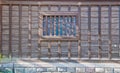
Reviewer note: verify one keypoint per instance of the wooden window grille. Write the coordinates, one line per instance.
(59, 25)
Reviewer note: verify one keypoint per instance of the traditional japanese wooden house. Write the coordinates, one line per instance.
(72, 29)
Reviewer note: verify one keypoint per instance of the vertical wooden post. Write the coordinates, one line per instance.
(40, 30)
(20, 29)
(109, 31)
(1, 30)
(46, 17)
(29, 32)
(59, 42)
(10, 31)
(59, 49)
(58, 25)
(69, 50)
(119, 30)
(49, 43)
(51, 26)
(79, 32)
(54, 26)
(89, 31)
(99, 31)
(49, 49)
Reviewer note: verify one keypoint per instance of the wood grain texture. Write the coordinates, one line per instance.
(1, 29)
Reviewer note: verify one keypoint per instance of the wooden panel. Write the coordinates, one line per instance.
(29, 32)
(119, 30)
(79, 32)
(10, 31)
(40, 30)
(20, 29)
(98, 39)
(1, 29)
(49, 49)
(99, 30)
(59, 49)
(89, 31)
(69, 50)
(109, 33)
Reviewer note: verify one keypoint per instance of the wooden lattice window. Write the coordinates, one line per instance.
(59, 25)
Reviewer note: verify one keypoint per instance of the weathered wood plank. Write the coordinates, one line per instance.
(40, 30)
(30, 32)
(59, 49)
(109, 32)
(79, 32)
(69, 50)
(20, 29)
(10, 31)
(89, 31)
(119, 28)
(49, 49)
(1, 30)
(42, 3)
(99, 31)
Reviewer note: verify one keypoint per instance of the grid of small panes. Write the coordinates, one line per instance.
(59, 25)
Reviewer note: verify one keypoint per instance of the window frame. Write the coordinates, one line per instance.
(60, 14)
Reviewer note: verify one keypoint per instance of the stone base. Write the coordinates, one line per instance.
(60, 66)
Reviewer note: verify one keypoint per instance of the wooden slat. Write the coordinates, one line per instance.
(51, 26)
(54, 26)
(49, 7)
(40, 30)
(46, 17)
(79, 32)
(59, 46)
(69, 8)
(59, 49)
(49, 49)
(20, 29)
(119, 30)
(99, 31)
(69, 50)
(30, 32)
(59, 7)
(58, 25)
(1, 30)
(64, 25)
(57, 39)
(49, 43)
(109, 31)
(89, 31)
(10, 31)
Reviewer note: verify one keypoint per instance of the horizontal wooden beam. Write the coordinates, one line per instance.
(71, 0)
(75, 3)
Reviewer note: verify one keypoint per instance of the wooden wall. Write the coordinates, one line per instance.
(98, 32)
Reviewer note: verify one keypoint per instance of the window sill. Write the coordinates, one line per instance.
(59, 38)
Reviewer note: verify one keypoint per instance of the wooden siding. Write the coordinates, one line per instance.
(98, 32)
